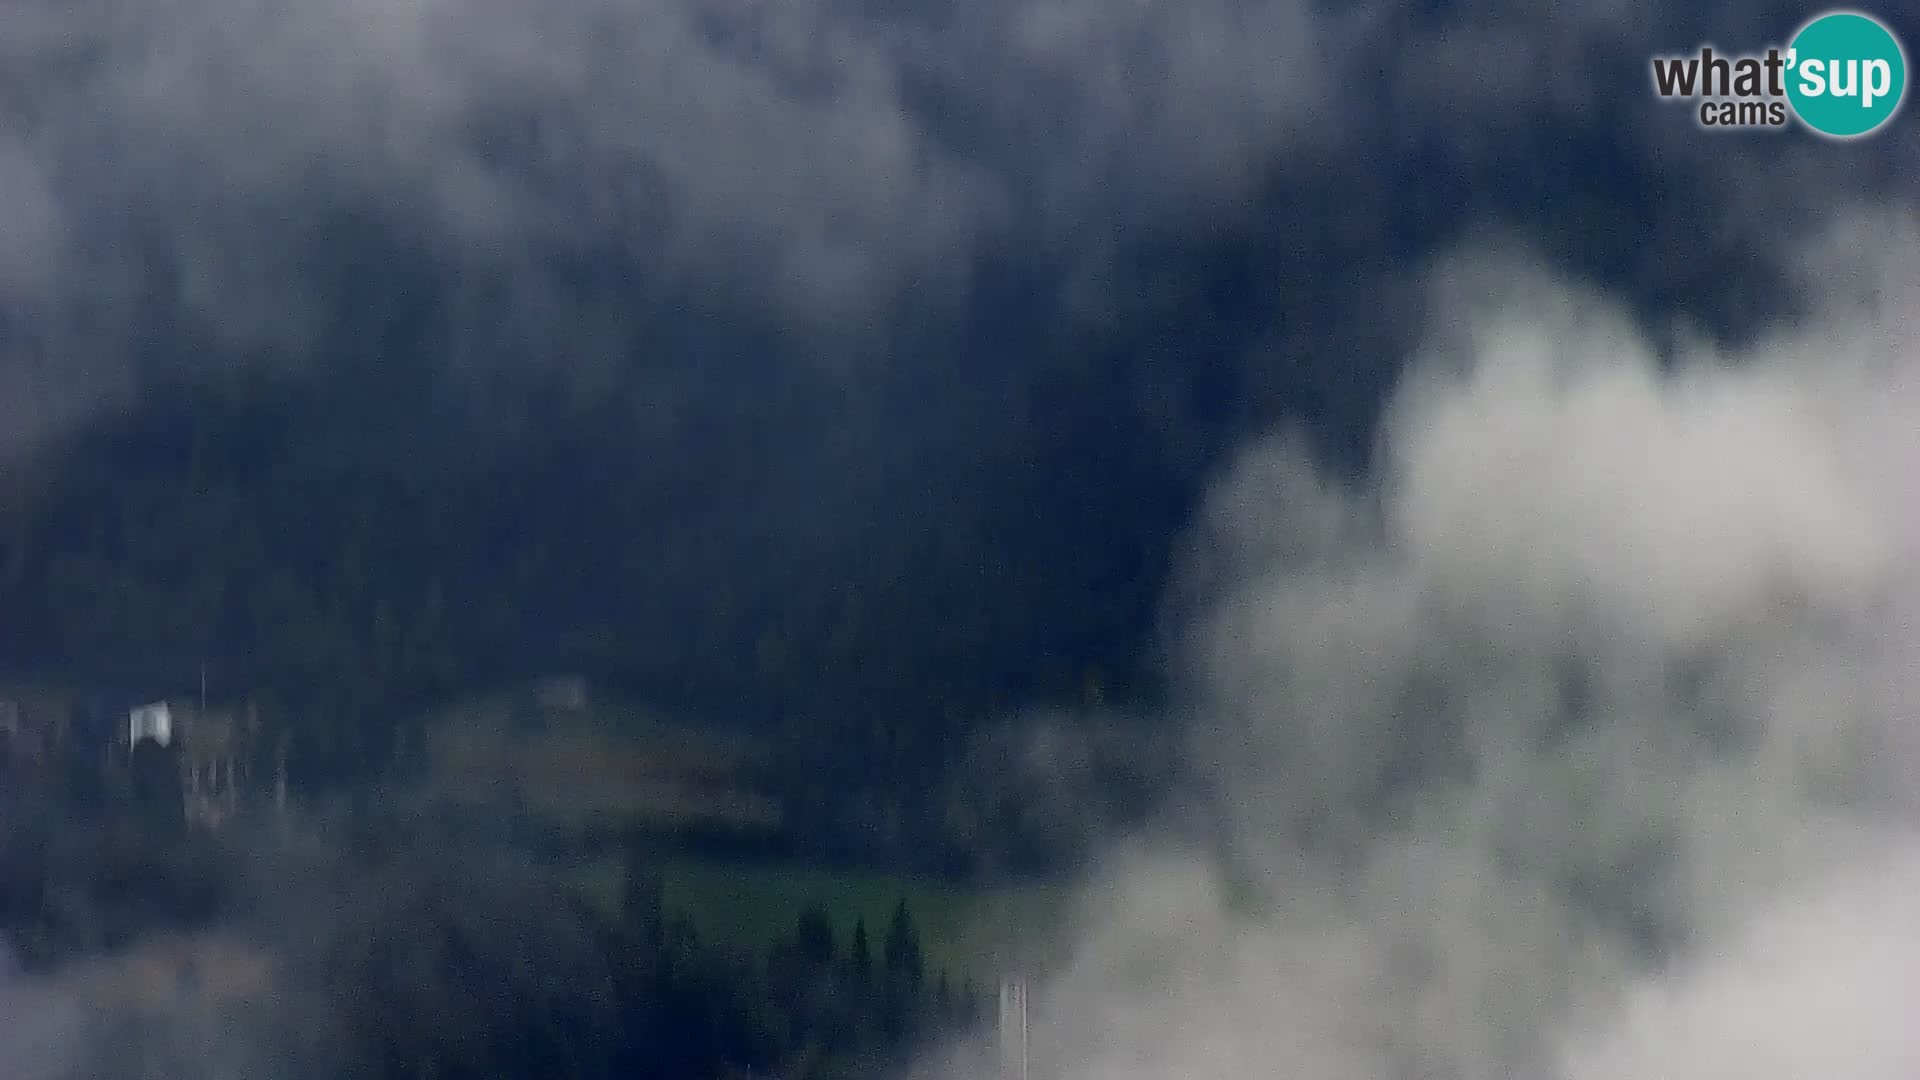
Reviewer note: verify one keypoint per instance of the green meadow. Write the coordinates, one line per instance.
(620, 769)
(752, 906)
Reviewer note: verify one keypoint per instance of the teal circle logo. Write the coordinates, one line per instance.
(1846, 74)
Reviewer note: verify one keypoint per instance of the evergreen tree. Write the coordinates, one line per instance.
(813, 938)
(906, 965)
(860, 953)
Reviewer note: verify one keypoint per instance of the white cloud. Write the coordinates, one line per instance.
(1576, 742)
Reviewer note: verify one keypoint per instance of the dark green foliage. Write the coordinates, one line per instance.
(440, 971)
(860, 954)
(155, 783)
(355, 541)
(813, 938)
(906, 963)
(70, 887)
(407, 956)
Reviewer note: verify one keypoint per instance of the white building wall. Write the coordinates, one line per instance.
(153, 721)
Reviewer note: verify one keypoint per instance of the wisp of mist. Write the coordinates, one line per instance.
(1573, 742)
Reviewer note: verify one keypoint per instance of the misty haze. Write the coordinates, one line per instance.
(1024, 540)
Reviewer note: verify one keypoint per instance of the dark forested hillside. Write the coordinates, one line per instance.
(455, 481)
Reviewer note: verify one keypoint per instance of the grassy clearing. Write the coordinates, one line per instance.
(752, 906)
(615, 768)
(604, 768)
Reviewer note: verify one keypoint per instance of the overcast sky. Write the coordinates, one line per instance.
(889, 277)
(1566, 697)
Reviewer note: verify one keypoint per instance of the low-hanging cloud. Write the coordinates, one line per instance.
(1575, 742)
(331, 949)
(36, 1037)
(824, 157)
(894, 259)
(1602, 654)
(783, 148)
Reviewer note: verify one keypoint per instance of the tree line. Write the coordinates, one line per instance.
(398, 951)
